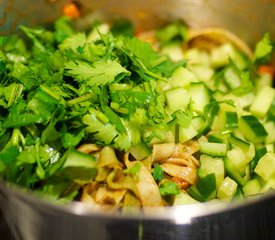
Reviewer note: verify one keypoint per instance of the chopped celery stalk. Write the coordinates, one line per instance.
(182, 77)
(211, 165)
(199, 96)
(252, 187)
(266, 166)
(227, 189)
(213, 149)
(252, 129)
(262, 101)
(177, 98)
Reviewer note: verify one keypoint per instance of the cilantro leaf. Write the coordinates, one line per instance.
(158, 172)
(98, 73)
(263, 50)
(169, 188)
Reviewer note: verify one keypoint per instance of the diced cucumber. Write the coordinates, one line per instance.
(215, 138)
(235, 141)
(266, 166)
(78, 166)
(173, 50)
(265, 79)
(238, 159)
(197, 56)
(247, 148)
(200, 125)
(270, 128)
(270, 148)
(199, 96)
(259, 153)
(213, 149)
(269, 185)
(252, 129)
(232, 78)
(262, 101)
(140, 150)
(202, 72)
(177, 98)
(220, 56)
(188, 133)
(205, 188)
(211, 165)
(227, 189)
(182, 77)
(183, 198)
(252, 187)
(233, 172)
(231, 120)
(225, 119)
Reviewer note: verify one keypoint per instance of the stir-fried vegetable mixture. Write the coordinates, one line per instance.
(117, 120)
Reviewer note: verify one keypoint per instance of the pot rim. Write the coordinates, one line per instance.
(177, 214)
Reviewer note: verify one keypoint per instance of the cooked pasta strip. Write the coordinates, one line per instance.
(148, 191)
(108, 158)
(89, 148)
(117, 180)
(186, 173)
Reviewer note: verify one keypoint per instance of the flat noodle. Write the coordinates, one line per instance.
(181, 162)
(165, 151)
(109, 197)
(88, 148)
(186, 173)
(123, 181)
(118, 184)
(148, 190)
(108, 158)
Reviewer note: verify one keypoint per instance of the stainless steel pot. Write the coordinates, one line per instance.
(24, 216)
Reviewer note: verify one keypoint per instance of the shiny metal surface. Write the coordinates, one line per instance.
(29, 218)
(249, 19)
(23, 216)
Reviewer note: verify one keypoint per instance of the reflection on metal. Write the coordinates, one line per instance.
(248, 19)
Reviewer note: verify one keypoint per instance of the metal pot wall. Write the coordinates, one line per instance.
(23, 216)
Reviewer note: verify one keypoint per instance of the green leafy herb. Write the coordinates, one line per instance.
(158, 172)
(169, 188)
(263, 50)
